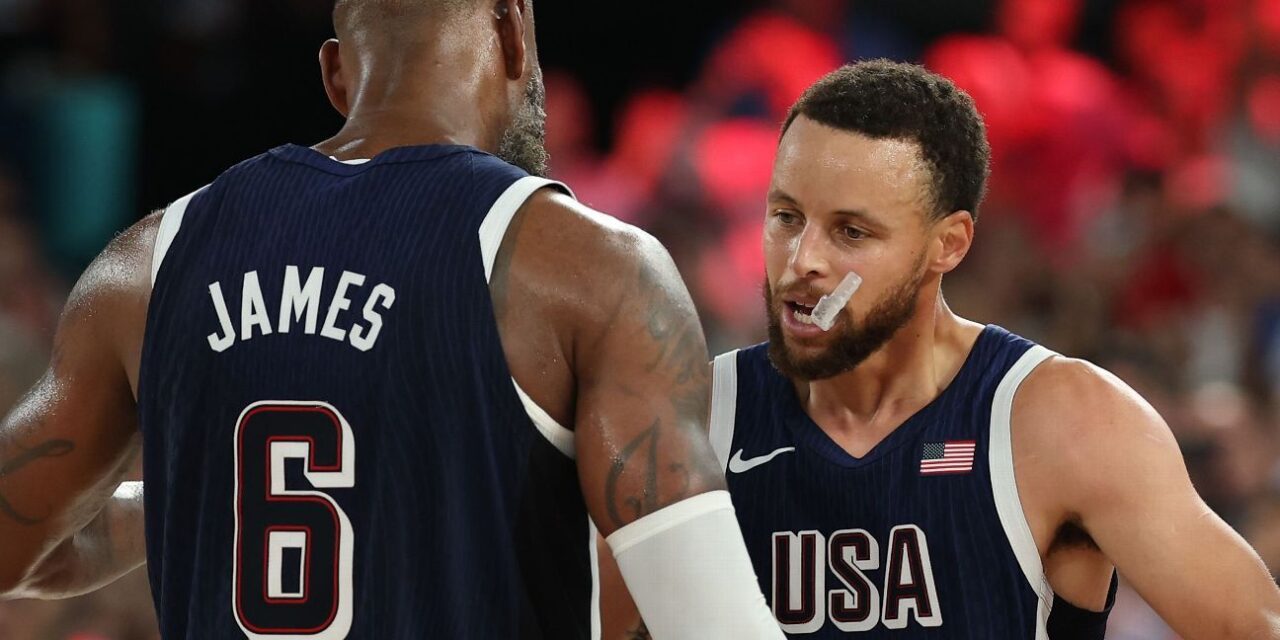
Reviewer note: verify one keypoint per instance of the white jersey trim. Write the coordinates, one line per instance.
(560, 437)
(494, 227)
(594, 551)
(492, 231)
(1004, 485)
(170, 223)
(724, 405)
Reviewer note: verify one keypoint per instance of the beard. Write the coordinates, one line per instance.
(524, 143)
(849, 345)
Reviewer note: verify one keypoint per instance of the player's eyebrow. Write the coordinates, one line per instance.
(857, 214)
(778, 195)
(860, 215)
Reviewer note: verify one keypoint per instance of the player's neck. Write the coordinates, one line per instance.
(385, 117)
(862, 406)
(374, 132)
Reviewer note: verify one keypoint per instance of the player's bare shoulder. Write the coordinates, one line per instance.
(1081, 424)
(577, 256)
(123, 267)
(567, 278)
(1072, 399)
(109, 303)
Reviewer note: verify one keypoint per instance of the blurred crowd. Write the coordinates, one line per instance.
(1133, 217)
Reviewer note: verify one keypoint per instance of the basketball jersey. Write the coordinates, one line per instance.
(334, 445)
(922, 537)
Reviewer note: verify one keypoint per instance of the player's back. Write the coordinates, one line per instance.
(334, 445)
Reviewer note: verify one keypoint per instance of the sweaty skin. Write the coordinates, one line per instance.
(597, 325)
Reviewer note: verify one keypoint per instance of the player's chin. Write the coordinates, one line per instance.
(801, 362)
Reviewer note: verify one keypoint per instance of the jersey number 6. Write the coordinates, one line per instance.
(293, 543)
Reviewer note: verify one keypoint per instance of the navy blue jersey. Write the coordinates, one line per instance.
(922, 537)
(334, 446)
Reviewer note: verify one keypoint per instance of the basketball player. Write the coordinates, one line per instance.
(381, 383)
(912, 474)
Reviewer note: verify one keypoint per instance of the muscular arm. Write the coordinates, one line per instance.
(643, 397)
(65, 447)
(600, 331)
(1122, 479)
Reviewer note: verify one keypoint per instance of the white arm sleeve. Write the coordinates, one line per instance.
(688, 570)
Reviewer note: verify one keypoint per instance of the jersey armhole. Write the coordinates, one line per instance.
(1004, 484)
(724, 405)
(492, 232)
(170, 224)
(494, 227)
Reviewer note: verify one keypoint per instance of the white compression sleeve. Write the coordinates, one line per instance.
(688, 570)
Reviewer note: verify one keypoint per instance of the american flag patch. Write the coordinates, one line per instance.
(944, 458)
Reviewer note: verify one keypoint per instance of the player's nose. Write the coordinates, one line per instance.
(809, 254)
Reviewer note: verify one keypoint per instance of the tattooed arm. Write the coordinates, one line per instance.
(66, 445)
(601, 332)
(643, 398)
(645, 460)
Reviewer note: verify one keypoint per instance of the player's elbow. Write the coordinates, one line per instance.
(9, 585)
(16, 573)
(50, 577)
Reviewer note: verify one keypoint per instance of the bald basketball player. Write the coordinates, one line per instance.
(385, 384)
(909, 474)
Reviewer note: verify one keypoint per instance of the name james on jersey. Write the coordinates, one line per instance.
(300, 302)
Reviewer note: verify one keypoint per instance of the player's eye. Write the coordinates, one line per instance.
(853, 233)
(786, 217)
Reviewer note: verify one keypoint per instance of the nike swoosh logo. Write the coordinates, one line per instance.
(738, 465)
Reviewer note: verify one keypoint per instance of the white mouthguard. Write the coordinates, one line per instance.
(824, 313)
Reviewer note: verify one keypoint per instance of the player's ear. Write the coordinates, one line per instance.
(335, 83)
(509, 17)
(953, 235)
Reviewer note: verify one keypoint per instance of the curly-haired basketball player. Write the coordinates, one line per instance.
(910, 474)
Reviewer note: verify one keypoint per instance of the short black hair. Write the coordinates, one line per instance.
(885, 99)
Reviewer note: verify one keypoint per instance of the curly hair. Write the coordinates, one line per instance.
(882, 99)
